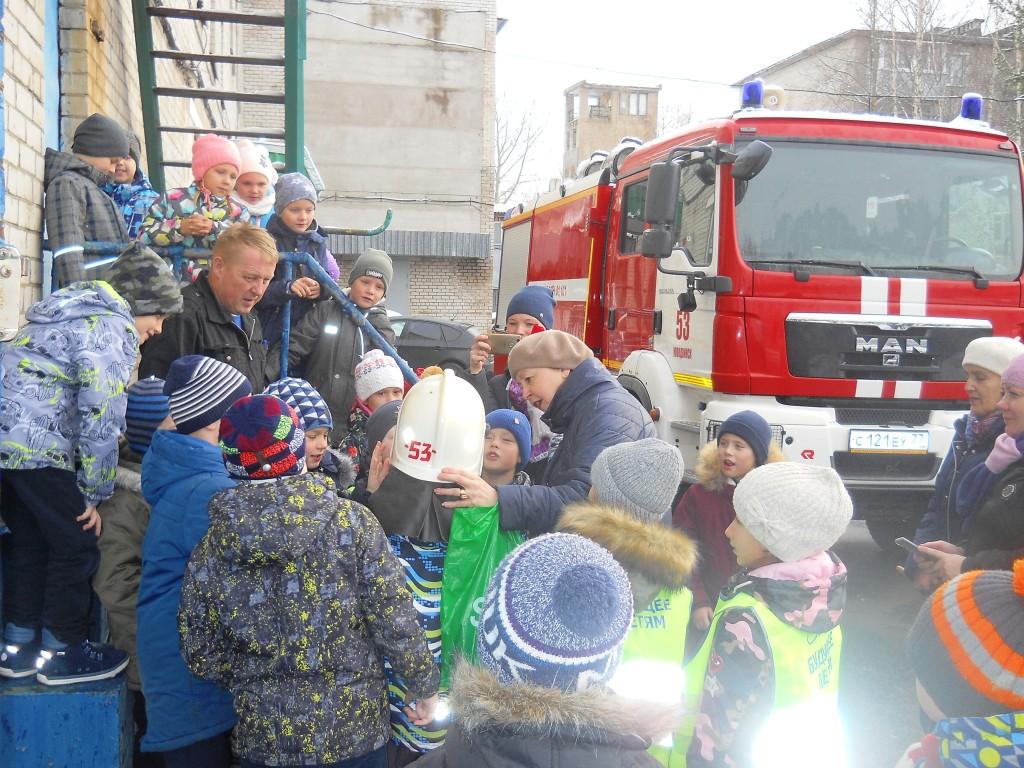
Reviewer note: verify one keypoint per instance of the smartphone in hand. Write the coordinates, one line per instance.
(907, 544)
(502, 343)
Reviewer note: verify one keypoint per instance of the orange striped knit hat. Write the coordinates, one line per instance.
(967, 645)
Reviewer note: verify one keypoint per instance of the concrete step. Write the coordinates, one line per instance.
(88, 725)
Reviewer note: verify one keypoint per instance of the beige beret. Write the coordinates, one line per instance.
(548, 349)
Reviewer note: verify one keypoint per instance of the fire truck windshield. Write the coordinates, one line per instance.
(886, 210)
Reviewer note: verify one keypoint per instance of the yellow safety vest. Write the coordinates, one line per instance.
(652, 656)
(806, 674)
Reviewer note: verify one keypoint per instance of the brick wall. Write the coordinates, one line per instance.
(458, 289)
(98, 73)
(262, 41)
(448, 289)
(24, 120)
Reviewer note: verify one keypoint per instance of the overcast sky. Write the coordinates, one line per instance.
(547, 45)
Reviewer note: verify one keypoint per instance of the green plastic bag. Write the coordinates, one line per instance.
(476, 547)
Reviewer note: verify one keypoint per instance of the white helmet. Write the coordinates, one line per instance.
(441, 424)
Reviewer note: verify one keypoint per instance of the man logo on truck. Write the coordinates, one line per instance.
(900, 346)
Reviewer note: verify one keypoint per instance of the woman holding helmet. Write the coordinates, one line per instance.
(582, 402)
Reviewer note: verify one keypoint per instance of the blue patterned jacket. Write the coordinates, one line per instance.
(63, 399)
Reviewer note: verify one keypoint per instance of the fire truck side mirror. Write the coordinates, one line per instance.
(662, 194)
(687, 301)
(657, 243)
(750, 161)
(660, 210)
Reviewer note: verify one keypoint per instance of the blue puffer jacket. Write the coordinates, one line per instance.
(180, 475)
(591, 411)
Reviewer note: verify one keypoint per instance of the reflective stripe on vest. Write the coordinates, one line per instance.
(806, 668)
(652, 656)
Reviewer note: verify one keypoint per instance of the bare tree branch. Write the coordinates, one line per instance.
(517, 133)
(672, 117)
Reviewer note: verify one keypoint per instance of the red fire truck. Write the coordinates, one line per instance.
(826, 270)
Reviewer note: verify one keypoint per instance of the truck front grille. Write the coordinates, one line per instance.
(880, 466)
(883, 417)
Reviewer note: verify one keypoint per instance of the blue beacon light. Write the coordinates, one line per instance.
(970, 106)
(753, 94)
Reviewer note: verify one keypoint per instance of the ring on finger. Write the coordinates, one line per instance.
(463, 495)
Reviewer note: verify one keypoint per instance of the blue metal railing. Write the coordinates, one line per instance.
(103, 253)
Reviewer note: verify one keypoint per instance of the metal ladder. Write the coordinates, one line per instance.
(293, 20)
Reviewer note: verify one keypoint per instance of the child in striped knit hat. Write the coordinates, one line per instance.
(967, 651)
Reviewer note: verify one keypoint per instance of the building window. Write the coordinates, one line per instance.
(635, 198)
(638, 104)
(956, 67)
(695, 218)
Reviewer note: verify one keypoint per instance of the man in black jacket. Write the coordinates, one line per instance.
(218, 320)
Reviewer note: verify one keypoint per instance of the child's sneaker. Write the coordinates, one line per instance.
(18, 660)
(80, 664)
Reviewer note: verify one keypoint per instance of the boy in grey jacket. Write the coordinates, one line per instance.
(76, 209)
(327, 345)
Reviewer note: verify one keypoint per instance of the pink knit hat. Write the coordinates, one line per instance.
(1013, 375)
(210, 150)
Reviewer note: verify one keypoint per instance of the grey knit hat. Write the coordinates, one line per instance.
(134, 148)
(640, 478)
(793, 510)
(291, 187)
(145, 281)
(100, 136)
(373, 263)
(556, 614)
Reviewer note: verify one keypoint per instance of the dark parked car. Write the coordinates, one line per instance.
(424, 341)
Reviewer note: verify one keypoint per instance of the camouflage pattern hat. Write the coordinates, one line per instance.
(145, 281)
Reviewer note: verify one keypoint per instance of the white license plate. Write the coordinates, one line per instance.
(888, 441)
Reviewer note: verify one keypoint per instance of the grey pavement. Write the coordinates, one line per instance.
(876, 684)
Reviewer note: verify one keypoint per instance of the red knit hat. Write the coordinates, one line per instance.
(967, 645)
(211, 150)
(261, 438)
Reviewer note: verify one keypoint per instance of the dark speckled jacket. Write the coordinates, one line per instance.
(289, 602)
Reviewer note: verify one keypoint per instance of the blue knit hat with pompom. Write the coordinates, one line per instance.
(556, 614)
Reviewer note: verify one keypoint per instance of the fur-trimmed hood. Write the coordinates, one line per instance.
(480, 703)
(709, 466)
(655, 556)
